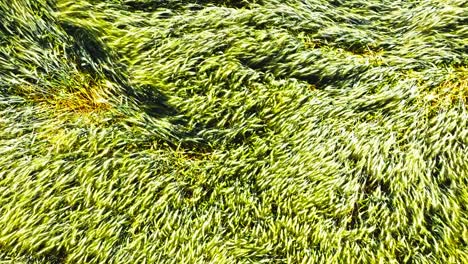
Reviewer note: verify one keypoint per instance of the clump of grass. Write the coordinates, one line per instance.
(233, 131)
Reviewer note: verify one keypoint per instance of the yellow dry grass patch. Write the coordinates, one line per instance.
(373, 57)
(454, 90)
(82, 95)
(369, 55)
(83, 101)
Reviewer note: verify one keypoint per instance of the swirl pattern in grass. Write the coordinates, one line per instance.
(170, 131)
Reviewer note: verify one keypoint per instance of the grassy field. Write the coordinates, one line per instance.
(268, 131)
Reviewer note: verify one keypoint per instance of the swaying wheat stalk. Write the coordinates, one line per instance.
(170, 131)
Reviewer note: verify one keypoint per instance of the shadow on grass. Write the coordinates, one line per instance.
(96, 59)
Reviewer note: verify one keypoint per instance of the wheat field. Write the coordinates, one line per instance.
(268, 131)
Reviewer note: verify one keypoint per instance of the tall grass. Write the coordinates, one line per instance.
(168, 131)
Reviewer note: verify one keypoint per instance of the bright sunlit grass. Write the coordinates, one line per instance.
(150, 131)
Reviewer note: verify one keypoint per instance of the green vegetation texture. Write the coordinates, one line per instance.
(268, 131)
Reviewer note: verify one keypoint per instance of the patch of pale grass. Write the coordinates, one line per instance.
(450, 92)
(84, 97)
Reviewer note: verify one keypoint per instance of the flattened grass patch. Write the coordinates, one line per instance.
(84, 96)
(452, 91)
